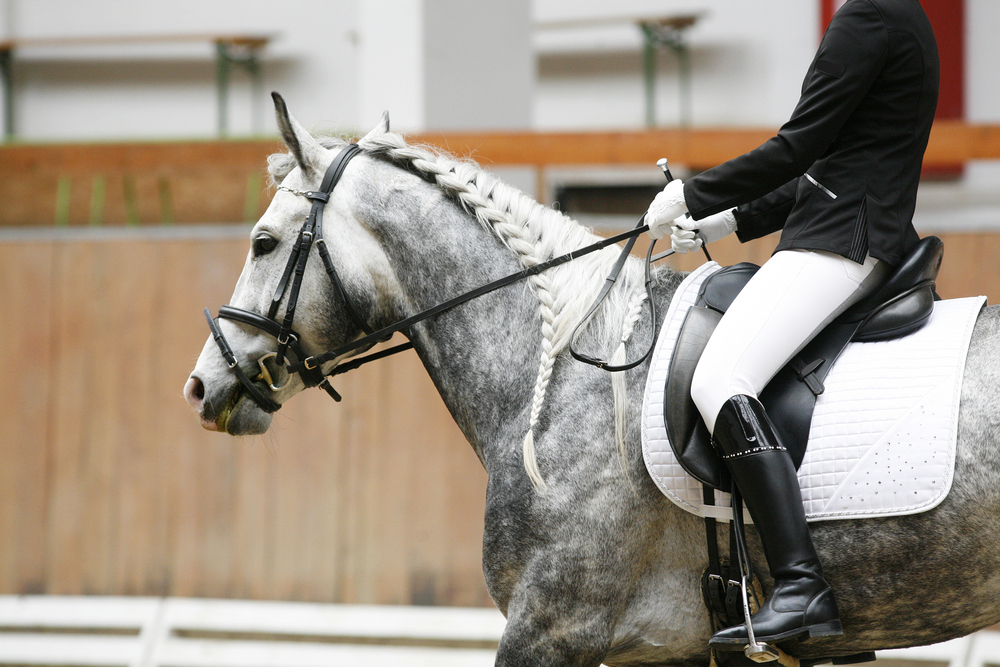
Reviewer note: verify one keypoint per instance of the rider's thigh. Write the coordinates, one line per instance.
(791, 298)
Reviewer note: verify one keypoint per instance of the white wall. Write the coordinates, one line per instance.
(982, 62)
(973, 202)
(389, 43)
(479, 66)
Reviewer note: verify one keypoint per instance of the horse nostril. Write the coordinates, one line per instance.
(194, 392)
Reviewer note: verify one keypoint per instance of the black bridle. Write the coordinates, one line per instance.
(309, 368)
(291, 281)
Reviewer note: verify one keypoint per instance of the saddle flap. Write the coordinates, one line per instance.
(686, 431)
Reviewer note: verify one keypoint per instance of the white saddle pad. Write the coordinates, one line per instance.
(882, 437)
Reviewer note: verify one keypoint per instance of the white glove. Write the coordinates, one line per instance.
(667, 205)
(689, 234)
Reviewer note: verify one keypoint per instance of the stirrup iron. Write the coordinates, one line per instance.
(755, 651)
(761, 652)
(758, 652)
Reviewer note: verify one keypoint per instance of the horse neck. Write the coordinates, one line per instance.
(493, 358)
(481, 355)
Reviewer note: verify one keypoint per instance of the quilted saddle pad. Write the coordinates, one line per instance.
(883, 434)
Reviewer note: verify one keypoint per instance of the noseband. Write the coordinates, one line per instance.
(309, 368)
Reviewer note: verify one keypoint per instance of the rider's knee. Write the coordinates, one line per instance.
(708, 393)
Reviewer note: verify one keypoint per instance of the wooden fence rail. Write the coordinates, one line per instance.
(108, 485)
(221, 181)
(85, 631)
(182, 632)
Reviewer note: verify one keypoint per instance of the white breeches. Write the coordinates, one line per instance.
(787, 302)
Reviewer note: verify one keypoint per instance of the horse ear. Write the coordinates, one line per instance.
(381, 128)
(307, 151)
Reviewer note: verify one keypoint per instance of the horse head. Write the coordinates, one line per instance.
(299, 293)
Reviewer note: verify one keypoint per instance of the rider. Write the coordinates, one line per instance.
(840, 181)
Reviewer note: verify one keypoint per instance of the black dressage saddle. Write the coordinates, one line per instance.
(902, 305)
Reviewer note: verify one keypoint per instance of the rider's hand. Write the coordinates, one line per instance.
(689, 234)
(668, 205)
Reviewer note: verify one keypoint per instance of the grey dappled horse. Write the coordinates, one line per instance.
(587, 559)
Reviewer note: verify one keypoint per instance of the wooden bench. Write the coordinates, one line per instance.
(182, 632)
(666, 33)
(230, 50)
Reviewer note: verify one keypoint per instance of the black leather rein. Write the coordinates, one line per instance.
(309, 368)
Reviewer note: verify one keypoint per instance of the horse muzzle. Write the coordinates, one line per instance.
(230, 410)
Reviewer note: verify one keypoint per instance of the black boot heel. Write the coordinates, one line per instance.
(828, 629)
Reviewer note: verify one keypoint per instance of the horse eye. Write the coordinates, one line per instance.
(264, 244)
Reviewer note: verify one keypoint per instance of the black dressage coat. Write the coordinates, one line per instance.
(841, 175)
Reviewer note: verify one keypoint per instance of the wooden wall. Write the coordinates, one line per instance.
(108, 485)
(133, 183)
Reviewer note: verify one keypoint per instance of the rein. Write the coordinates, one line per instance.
(384, 333)
(608, 284)
(309, 367)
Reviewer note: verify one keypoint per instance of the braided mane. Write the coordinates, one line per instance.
(534, 233)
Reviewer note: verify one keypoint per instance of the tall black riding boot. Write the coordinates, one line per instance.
(802, 604)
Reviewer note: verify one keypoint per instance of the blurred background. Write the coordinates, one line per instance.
(132, 167)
